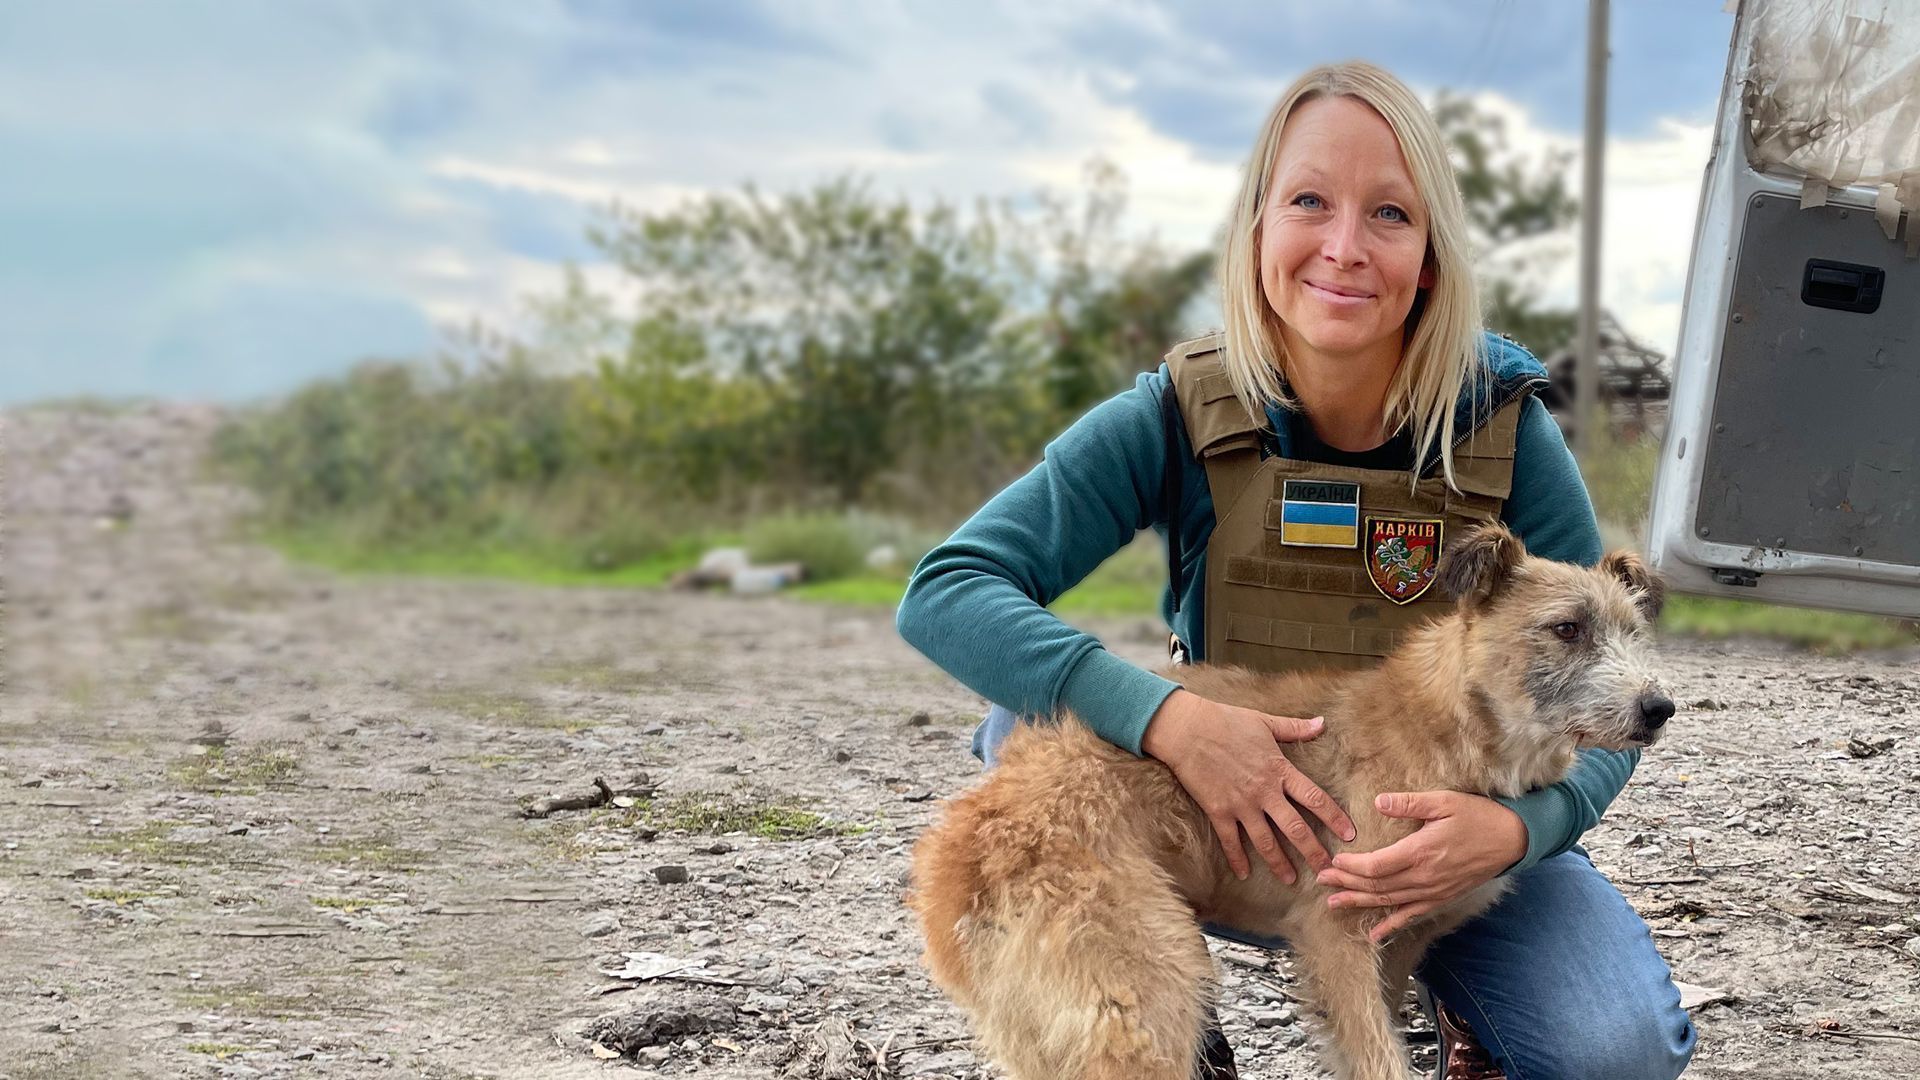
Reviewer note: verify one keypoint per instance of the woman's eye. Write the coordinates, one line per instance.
(1394, 213)
(1307, 202)
(1566, 631)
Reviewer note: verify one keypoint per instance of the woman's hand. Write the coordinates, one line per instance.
(1229, 760)
(1463, 842)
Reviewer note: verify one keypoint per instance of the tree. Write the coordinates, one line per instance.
(1113, 305)
(1513, 202)
(868, 326)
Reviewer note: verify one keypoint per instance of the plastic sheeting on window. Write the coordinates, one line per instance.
(1832, 93)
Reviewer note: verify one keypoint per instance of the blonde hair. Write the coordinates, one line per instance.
(1446, 342)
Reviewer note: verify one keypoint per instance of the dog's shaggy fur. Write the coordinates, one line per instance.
(1062, 897)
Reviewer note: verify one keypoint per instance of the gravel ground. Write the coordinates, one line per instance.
(258, 819)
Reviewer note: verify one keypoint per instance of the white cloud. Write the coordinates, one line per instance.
(446, 159)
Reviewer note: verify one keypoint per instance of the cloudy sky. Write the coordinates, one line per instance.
(224, 200)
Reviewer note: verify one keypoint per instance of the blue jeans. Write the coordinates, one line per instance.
(1559, 980)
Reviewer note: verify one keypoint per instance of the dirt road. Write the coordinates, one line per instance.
(260, 820)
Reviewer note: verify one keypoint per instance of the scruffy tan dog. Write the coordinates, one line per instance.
(1062, 897)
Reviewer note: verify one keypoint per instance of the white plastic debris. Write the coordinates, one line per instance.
(722, 563)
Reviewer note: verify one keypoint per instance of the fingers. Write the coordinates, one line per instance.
(1396, 858)
(1399, 919)
(1298, 833)
(1293, 728)
(1425, 805)
(1228, 830)
(1318, 803)
(1259, 832)
(1405, 887)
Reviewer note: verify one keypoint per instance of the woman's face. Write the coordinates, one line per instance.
(1344, 236)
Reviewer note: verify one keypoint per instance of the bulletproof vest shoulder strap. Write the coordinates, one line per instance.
(1224, 436)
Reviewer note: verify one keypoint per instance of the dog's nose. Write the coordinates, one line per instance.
(1656, 709)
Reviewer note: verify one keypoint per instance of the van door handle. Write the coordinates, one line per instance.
(1842, 286)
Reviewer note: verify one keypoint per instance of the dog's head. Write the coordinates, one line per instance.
(1573, 640)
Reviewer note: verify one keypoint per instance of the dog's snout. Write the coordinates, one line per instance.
(1655, 709)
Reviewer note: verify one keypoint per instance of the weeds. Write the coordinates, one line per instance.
(773, 818)
(236, 770)
(151, 842)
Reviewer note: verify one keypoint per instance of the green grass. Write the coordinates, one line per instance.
(537, 565)
(236, 770)
(772, 818)
(350, 905)
(1127, 585)
(1822, 631)
(369, 854)
(217, 1051)
(150, 842)
(250, 999)
(121, 897)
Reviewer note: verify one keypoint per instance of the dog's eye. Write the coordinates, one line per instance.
(1566, 631)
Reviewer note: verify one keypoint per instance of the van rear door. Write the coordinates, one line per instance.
(1791, 467)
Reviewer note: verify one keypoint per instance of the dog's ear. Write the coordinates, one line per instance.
(1477, 564)
(1649, 592)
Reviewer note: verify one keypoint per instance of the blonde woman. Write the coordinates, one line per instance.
(1305, 465)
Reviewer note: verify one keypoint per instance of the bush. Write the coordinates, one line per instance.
(823, 543)
(1619, 476)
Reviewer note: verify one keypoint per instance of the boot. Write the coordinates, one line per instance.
(1216, 1057)
(1461, 1055)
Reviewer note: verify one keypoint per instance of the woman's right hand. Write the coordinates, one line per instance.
(1228, 758)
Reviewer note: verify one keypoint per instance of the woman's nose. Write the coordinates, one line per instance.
(1344, 244)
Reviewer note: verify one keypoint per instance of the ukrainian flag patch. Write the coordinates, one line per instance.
(1320, 513)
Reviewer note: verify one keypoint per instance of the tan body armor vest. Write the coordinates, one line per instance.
(1274, 605)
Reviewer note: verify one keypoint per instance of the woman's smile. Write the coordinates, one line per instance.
(1339, 296)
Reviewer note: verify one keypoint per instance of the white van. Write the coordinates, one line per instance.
(1791, 467)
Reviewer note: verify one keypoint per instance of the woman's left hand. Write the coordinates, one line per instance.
(1463, 842)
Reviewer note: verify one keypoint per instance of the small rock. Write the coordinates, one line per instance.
(600, 925)
(1913, 947)
(653, 1055)
(919, 719)
(769, 1003)
(703, 939)
(670, 874)
(842, 755)
(1869, 746)
(664, 1022)
(718, 847)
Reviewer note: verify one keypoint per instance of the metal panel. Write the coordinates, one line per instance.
(1815, 445)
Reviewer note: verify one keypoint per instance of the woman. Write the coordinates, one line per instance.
(1353, 376)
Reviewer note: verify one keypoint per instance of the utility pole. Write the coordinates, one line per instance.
(1586, 366)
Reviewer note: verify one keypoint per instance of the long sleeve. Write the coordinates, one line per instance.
(1551, 513)
(976, 604)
